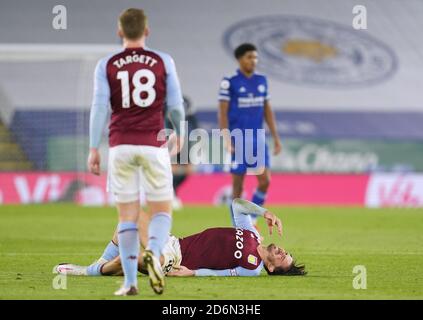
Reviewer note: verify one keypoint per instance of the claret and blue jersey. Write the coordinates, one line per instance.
(136, 83)
(246, 97)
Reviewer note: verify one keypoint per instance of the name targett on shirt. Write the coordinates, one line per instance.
(251, 101)
(135, 58)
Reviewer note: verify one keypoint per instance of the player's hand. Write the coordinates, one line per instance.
(182, 272)
(272, 221)
(175, 144)
(94, 162)
(278, 147)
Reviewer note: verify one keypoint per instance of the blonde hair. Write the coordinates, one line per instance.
(132, 23)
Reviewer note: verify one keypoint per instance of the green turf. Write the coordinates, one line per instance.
(331, 241)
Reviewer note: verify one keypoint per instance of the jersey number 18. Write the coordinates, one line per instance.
(139, 87)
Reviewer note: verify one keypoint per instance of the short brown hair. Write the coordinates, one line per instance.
(133, 22)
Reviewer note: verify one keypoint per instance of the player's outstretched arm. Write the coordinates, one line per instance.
(239, 271)
(242, 209)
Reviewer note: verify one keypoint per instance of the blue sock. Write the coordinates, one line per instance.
(111, 251)
(158, 232)
(94, 269)
(129, 248)
(258, 199)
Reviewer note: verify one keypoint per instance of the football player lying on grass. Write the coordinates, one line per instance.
(213, 252)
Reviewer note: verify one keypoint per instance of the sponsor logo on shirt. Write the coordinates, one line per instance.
(251, 101)
(252, 259)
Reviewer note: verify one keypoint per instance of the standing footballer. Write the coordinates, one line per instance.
(243, 104)
(137, 82)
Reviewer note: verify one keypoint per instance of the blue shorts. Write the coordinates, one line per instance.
(254, 161)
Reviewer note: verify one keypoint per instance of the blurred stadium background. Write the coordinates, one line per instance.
(349, 103)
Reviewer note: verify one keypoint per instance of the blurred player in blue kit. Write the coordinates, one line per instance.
(243, 105)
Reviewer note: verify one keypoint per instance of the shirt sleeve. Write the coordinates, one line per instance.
(236, 272)
(224, 90)
(242, 210)
(173, 86)
(174, 98)
(100, 105)
(267, 94)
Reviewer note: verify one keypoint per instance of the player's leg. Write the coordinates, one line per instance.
(112, 249)
(263, 180)
(110, 268)
(143, 222)
(129, 243)
(156, 180)
(159, 226)
(170, 259)
(158, 235)
(238, 170)
(123, 181)
(114, 267)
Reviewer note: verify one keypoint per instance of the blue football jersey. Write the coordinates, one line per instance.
(246, 98)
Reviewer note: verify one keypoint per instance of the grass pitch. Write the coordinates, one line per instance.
(330, 241)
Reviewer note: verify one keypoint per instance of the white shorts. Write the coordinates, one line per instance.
(133, 168)
(172, 255)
